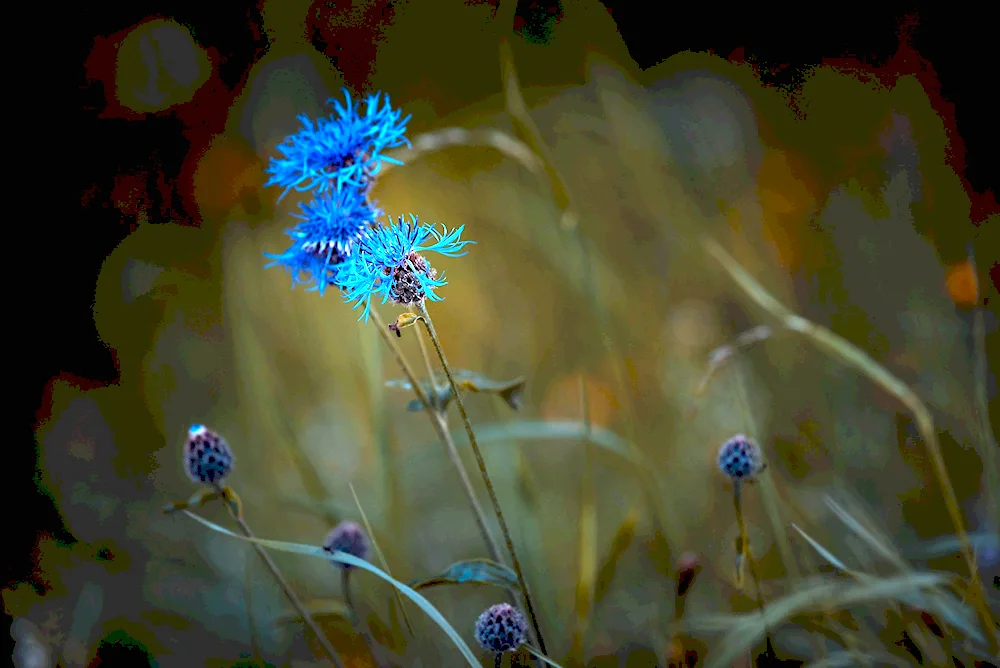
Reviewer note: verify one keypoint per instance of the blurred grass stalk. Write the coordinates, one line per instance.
(441, 429)
(438, 422)
(515, 562)
(846, 352)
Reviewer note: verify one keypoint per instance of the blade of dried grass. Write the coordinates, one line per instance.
(438, 140)
(848, 658)
(587, 539)
(849, 354)
(989, 450)
(745, 630)
(527, 131)
(823, 552)
(936, 599)
(619, 544)
(882, 547)
(378, 553)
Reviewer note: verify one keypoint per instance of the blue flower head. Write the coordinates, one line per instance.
(343, 149)
(388, 263)
(323, 241)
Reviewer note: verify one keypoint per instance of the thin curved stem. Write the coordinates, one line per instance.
(283, 583)
(432, 333)
(745, 552)
(441, 429)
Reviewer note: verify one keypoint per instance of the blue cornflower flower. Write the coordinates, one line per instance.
(342, 149)
(388, 262)
(331, 226)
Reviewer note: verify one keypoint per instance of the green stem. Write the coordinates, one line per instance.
(427, 362)
(745, 552)
(285, 587)
(432, 333)
(441, 428)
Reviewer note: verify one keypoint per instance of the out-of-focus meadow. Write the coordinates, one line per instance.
(598, 289)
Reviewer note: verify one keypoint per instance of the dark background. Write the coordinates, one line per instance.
(958, 44)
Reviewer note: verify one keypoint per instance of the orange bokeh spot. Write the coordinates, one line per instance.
(962, 284)
(226, 170)
(785, 201)
(563, 400)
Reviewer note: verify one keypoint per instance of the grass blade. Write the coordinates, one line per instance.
(340, 557)
(823, 552)
(619, 544)
(381, 557)
(541, 657)
(843, 350)
(747, 629)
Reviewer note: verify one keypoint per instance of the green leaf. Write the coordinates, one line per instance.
(472, 571)
(343, 558)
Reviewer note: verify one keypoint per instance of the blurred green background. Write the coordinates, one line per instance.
(821, 197)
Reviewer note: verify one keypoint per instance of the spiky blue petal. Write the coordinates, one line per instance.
(324, 240)
(343, 149)
(383, 249)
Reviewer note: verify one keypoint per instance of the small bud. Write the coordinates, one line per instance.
(207, 457)
(501, 628)
(407, 282)
(740, 458)
(402, 321)
(687, 569)
(347, 537)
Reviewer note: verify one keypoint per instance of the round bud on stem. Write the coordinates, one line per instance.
(501, 628)
(740, 458)
(347, 537)
(207, 457)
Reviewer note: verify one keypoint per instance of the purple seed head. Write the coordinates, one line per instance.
(740, 458)
(207, 457)
(347, 537)
(501, 628)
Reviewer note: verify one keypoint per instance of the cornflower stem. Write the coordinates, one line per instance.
(432, 333)
(427, 360)
(745, 552)
(498, 660)
(441, 428)
(321, 638)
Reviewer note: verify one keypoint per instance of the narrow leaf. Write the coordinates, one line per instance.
(343, 558)
(472, 571)
(620, 543)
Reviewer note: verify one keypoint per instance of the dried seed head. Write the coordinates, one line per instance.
(207, 457)
(740, 458)
(501, 628)
(407, 287)
(347, 537)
